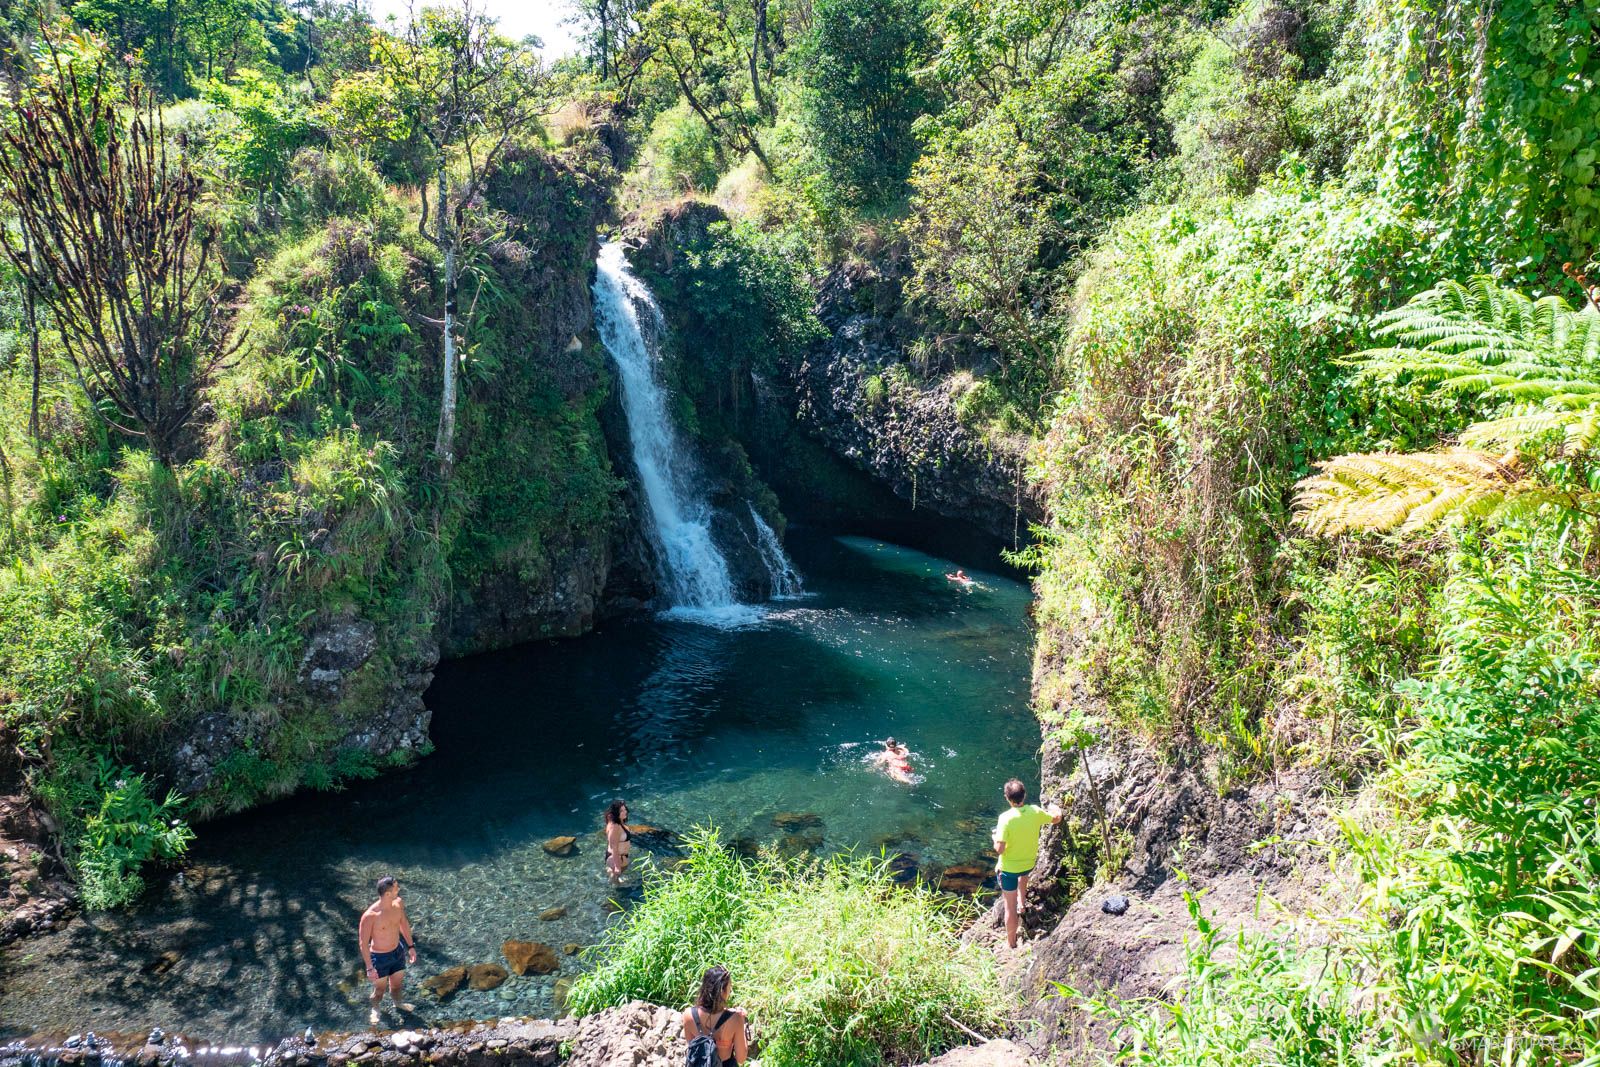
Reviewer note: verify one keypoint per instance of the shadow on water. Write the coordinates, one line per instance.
(693, 724)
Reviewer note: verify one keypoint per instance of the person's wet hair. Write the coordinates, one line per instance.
(1016, 792)
(714, 989)
(614, 811)
(385, 884)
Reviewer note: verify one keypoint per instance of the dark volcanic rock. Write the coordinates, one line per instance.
(858, 392)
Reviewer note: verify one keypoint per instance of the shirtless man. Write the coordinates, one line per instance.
(387, 945)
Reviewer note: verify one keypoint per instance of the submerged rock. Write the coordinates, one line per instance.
(572, 948)
(530, 957)
(794, 845)
(795, 821)
(552, 914)
(444, 984)
(561, 846)
(904, 869)
(967, 878)
(486, 976)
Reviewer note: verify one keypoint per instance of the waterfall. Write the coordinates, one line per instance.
(785, 579)
(694, 573)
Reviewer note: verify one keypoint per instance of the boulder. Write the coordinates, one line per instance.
(333, 653)
(988, 1054)
(561, 846)
(484, 976)
(635, 1035)
(444, 984)
(530, 957)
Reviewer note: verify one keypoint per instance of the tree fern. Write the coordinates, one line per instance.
(1537, 360)
(1538, 356)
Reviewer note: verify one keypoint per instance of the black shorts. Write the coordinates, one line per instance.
(391, 962)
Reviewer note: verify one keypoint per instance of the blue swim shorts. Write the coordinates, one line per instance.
(1007, 880)
(391, 962)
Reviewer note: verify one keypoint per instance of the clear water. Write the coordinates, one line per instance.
(694, 572)
(692, 723)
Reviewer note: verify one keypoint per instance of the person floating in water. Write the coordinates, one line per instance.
(1016, 839)
(711, 1022)
(387, 945)
(619, 841)
(895, 759)
(959, 576)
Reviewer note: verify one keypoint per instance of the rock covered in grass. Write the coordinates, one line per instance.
(636, 1034)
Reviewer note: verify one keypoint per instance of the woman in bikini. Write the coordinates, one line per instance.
(711, 1016)
(619, 841)
(895, 759)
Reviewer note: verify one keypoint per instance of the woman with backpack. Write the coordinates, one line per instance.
(715, 1031)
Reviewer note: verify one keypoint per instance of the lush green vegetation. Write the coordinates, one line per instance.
(169, 555)
(1297, 301)
(834, 963)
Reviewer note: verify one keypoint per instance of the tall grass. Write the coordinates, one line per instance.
(834, 963)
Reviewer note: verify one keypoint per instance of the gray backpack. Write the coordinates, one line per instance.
(703, 1048)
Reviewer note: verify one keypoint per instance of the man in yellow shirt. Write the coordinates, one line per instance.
(1016, 839)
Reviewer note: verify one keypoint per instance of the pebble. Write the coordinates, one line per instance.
(1115, 905)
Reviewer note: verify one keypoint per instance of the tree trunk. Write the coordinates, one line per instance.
(444, 443)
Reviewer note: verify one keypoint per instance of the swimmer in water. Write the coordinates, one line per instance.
(959, 576)
(896, 760)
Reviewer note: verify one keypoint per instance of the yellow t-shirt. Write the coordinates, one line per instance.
(1019, 829)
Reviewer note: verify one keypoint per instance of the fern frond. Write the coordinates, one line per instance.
(1578, 429)
(1384, 491)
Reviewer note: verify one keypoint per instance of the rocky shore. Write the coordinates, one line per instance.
(633, 1035)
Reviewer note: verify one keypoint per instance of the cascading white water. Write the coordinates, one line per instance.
(694, 572)
(785, 579)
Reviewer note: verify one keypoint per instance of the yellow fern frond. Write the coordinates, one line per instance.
(1384, 491)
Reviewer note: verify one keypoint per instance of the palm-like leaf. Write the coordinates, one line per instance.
(1538, 357)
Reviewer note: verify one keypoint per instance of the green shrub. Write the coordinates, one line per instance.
(123, 828)
(834, 962)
